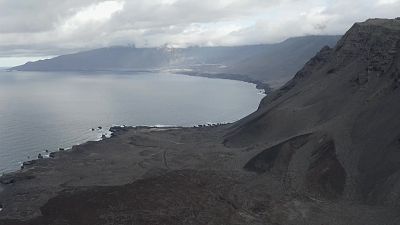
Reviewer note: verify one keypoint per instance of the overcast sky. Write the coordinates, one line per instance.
(34, 29)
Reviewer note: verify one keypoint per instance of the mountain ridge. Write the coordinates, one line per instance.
(250, 61)
(343, 94)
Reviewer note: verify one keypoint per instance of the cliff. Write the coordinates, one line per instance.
(345, 101)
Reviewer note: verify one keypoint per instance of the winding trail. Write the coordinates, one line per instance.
(165, 160)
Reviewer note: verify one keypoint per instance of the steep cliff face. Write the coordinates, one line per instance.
(346, 101)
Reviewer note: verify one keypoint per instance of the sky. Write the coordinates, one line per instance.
(37, 29)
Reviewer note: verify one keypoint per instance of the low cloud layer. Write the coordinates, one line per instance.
(35, 28)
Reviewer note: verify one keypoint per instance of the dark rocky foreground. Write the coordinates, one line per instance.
(323, 149)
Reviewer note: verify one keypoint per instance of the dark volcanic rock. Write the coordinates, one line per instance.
(350, 94)
(277, 157)
(177, 198)
(326, 175)
(13, 178)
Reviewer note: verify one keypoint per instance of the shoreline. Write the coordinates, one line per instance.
(113, 131)
(226, 76)
(45, 154)
(58, 168)
(74, 167)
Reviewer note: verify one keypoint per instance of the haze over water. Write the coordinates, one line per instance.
(40, 111)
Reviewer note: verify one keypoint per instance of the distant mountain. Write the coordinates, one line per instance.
(258, 62)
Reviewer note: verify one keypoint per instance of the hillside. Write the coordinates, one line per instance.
(345, 101)
(258, 62)
(322, 149)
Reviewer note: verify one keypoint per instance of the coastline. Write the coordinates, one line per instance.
(60, 170)
(59, 144)
(112, 131)
(237, 77)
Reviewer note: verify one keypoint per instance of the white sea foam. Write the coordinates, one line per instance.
(163, 126)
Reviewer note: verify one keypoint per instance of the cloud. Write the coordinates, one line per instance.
(48, 27)
(95, 13)
(388, 2)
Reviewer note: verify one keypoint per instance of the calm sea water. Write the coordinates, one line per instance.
(40, 111)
